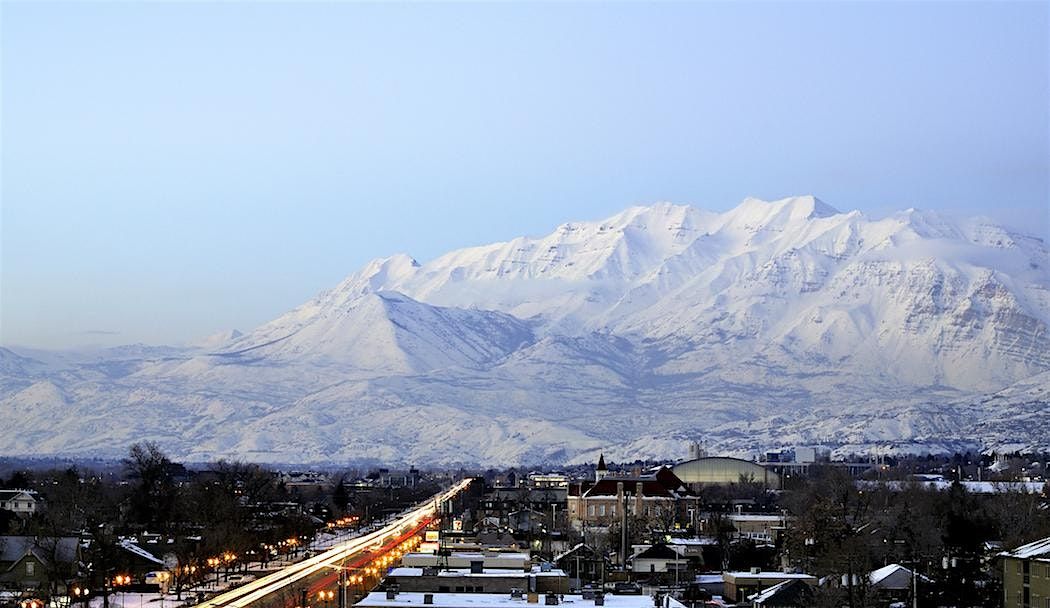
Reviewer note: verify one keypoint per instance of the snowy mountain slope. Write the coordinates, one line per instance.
(772, 323)
(385, 332)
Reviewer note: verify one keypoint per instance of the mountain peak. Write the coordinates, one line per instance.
(794, 208)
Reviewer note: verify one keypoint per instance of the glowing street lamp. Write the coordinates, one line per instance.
(326, 597)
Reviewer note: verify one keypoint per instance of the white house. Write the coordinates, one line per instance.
(23, 502)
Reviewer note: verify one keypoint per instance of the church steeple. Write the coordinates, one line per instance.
(601, 470)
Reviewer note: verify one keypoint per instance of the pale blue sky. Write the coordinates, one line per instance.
(173, 169)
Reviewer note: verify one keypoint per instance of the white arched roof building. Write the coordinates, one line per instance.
(724, 470)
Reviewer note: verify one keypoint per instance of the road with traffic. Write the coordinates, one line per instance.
(358, 557)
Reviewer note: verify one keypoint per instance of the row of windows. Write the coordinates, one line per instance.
(601, 511)
(15, 505)
(1036, 603)
(1033, 569)
(461, 589)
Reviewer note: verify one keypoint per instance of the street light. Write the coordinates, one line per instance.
(326, 597)
(81, 593)
(121, 580)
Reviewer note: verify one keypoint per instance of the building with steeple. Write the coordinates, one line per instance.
(601, 471)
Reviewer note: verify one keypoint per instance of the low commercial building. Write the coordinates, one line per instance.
(548, 480)
(738, 586)
(488, 559)
(762, 527)
(540, 579)
(1026, 575)
(394, 599)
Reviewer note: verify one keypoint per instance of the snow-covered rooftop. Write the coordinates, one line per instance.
(1039, 548)
(765, 594)
(755, 517)
(768, 575)
(127, 545)
(501, 600)
(406, 571)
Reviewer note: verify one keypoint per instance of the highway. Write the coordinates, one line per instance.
(332, 559)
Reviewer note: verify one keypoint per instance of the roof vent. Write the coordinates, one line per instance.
(599, 598)
(391, 592)
(551, 599)
(428, 598)
(755, 570)
(515, 593)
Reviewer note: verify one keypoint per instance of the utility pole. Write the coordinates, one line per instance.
(342, 587)
(623, 532)
(915, 585)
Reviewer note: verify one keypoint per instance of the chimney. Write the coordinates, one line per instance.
(428, 598)
(515, 593)
(533, 598)
(391, 592)
(551, 599)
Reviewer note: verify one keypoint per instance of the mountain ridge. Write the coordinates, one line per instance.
(773, 320)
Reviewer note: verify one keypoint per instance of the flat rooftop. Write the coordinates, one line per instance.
(502, 600)
(478, 555)
(408, 571)
(773, 574)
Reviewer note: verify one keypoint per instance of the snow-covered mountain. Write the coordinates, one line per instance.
(773, 322)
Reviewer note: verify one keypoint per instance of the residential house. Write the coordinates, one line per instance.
(28, 562)
(21, 502)
(894, 582)
(583, 564)
(659, 559)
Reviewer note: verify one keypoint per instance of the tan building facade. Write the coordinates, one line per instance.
(659, 496)
(1026, 575)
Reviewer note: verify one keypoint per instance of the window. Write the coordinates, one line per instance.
(30, 568)
(603, 510)
(590, 510)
